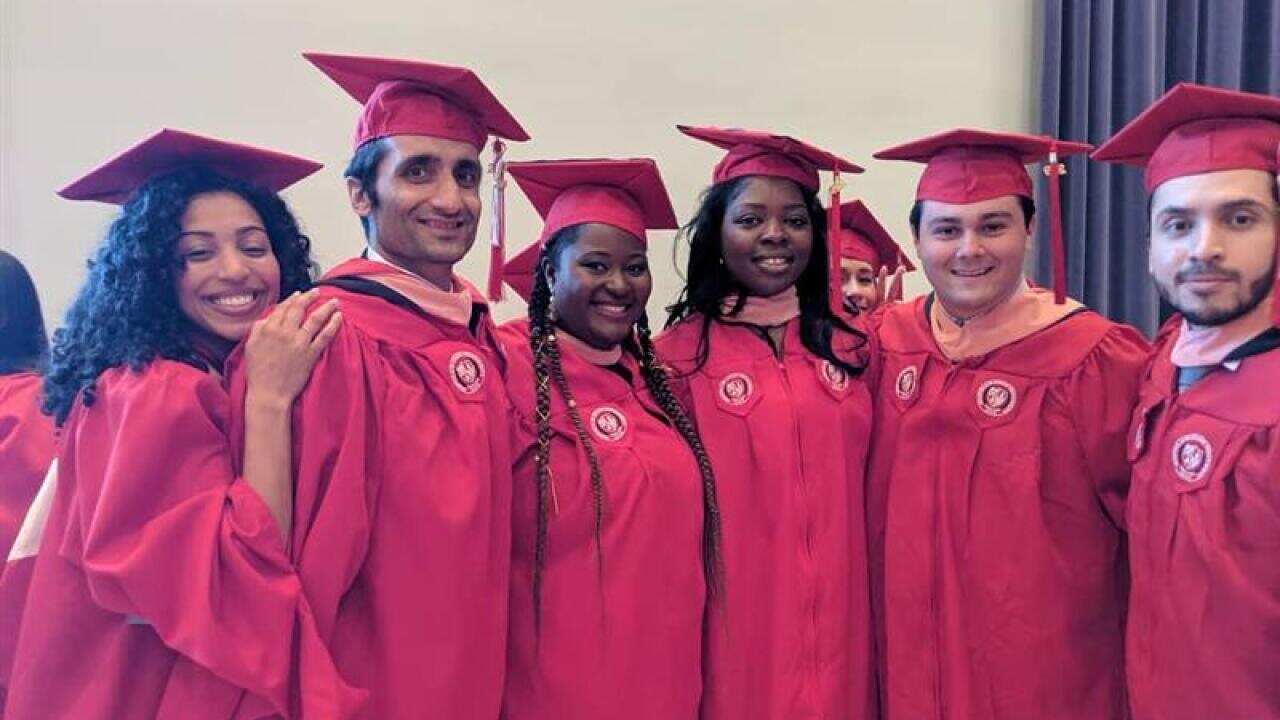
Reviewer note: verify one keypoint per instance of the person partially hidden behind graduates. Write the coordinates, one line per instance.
(774, 377)
(616, 527)
(159, 581)
(26, 434)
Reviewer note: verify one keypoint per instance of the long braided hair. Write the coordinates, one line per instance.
(547, 369)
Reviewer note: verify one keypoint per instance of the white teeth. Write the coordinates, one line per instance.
(773, 263)
(233, 300)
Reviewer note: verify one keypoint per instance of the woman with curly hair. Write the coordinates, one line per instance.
(616, 528)
(26, 435)
(161, 584)
(773, 376)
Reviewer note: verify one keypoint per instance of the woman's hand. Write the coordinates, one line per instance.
(284, 346)
(889, 288)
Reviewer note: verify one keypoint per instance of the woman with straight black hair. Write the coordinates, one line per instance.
(26, 435)
(774, 376)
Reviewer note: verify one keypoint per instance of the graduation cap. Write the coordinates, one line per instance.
(757, 152)
(965, 166)
(410, 97)
(1194, 129)
(115, 180)
(862, 237)
(625, 193)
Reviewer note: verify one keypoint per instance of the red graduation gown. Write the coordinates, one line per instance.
(26, 449)
(1204, 542)
(402, 508)
(626, 643)
(161, 588)
(995, 496)
(788, 441)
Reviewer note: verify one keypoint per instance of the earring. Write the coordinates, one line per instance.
(551, 308)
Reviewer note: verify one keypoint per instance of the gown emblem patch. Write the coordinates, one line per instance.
(905, 386)
(466, 370)
(608, 423)
(736, 388)
(1192, 457)
(997, 398)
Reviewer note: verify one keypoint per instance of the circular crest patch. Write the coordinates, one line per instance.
(608, 423)
(835, 376)
(905, 386)
(466, 370)
(1192, 457)
(997, 398)
(736, 388)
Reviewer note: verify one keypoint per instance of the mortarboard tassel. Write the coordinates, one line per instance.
(497, 223)
(835, 294)
(1053, 170)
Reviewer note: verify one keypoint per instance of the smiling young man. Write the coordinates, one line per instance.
(403, 498)
(1204, 506)
(997, 472)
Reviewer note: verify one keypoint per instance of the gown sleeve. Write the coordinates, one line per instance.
(1102, 394)
(168, 535)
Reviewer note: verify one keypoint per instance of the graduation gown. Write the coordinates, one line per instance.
(788, 440)
(402, 509)
(996, 494)
(622, 639)
(161, 588)
(1204, 541)
(26, 449)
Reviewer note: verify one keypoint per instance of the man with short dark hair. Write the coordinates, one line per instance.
(1203, 638)
(997, 479)
(403, 473)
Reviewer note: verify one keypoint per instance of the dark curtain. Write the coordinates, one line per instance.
(1103, 62)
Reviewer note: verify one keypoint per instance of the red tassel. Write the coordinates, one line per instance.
(1053, 170)
(497, 222)
(835, 294)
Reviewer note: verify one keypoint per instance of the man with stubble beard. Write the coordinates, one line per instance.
(1203, 637)
(402, 534)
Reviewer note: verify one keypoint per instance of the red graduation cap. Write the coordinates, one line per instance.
(408, 97)
(626, 193)
(1194, 129)
(756, 152)
(167, 150)
(862, 237)
(967, 166)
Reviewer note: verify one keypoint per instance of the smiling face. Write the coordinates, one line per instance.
(858, 283)
(973, 253)
(600, 284)
(767, 235)
(1213, 243)
(228, 275)
(427, 204)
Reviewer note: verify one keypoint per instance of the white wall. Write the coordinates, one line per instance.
(81, 80)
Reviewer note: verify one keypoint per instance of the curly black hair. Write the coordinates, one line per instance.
(127, 313)
(708, 280)
(23, 343)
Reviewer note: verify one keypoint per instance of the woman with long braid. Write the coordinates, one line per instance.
(775, 380)
(616, 528)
